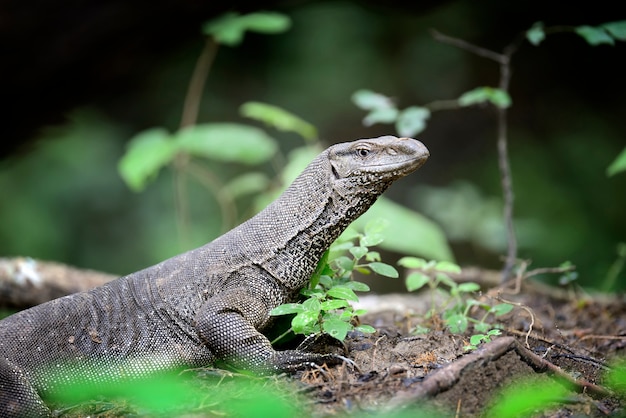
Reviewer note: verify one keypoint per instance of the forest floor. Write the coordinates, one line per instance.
(556, 348)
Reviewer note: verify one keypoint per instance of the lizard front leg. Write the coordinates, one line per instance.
(227, 323)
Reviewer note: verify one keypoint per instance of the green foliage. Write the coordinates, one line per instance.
(525, 398)
(230, 28)
(413, 119)
(407, 232)
(497, 97)
(477, 339)
(154, 148)
(279, 118)
(146, 154)
(618, 165)
(449, 300)
(175, 394)
(327, 308)
(382, 109)
(606, 33)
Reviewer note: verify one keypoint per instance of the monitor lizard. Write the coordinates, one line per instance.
(206, 305)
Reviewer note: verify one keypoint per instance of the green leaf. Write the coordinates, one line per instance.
(305, 322)
(501, 309)
(336, 328)
(357, 286)
(415, 281)
(412, 121)
(343, 292)
(332, 304)
(358, 252)
(443, 278)
(247, 184)
(618, 165)
(477, 339)
(448, 267)
(286, 309)
(230, 28)
(468, 287)
(536, 34)
(408, 232)
(497, 97)
(369, 100)
(278, 118)
(313, 305)
(230, 142)
(384, 269)
(457, 323)
(412, 262)
(345, 263)
(383, 115)
(527, 395)
(375, 226)
(616, 29)
(365, 329)
(372, 256)
(482, 327)
(146, 153)
(594, 35)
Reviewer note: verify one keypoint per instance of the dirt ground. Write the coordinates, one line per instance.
(550, 336)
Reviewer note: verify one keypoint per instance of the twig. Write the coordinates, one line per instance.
(196, 84)
(504, 60)
(474, 49)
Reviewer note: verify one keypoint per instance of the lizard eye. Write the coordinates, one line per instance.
(362, 152)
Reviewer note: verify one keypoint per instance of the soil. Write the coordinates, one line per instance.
(550, 336)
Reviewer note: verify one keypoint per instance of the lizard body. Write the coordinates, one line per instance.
(206, 305)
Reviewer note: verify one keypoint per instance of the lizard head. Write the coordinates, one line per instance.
(373, 164)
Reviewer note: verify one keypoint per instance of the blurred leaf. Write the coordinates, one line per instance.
(412, 121)
(412, 262)
(594, 35)
(247, 183)
(365, 329)
(358, 252)
(447, 267)
(497, 97)
(229, 142)
(616, 29)
(357, 286)
(146, 153)
(369, 100)
(408, 232)
(416, 281)
(618, 165)
(457, 323)
(501, 309)
(384, 269)
(230, 28)
(468, 287)
(278, 118)
(382, 115)
(535, 34)
(527, 398)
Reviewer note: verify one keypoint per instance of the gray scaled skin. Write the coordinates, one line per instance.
(207, 305)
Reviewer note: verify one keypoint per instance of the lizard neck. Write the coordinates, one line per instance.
(288, 238)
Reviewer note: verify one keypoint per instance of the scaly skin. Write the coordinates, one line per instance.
(209, 304)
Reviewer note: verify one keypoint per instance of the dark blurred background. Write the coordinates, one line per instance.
(79, 79)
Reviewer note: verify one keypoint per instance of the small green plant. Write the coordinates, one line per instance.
(451, 301)
(327, 308)
(477, 339)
